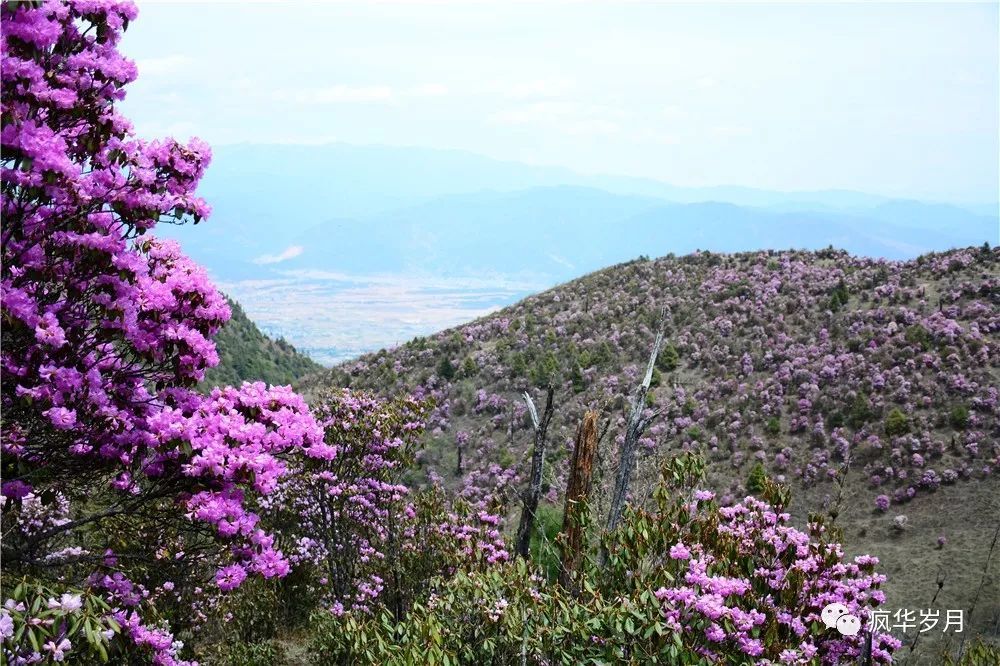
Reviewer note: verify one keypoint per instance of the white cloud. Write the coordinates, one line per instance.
(288, 253)
(164, 65)
(181, 129)
(567, 117)
(730, 131)
(674, 112)
(430, 90)
(538, 113)
(561, 261)
(539, 88)
(365, 94)
(657, 136)
(592, 127)
(338, 94)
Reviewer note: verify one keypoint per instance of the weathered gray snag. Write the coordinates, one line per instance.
(633, 431)
(534, 491)
(581, 473)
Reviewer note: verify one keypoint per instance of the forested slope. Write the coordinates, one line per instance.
(246, 354)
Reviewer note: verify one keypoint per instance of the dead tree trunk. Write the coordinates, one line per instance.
(633, 431)
(578, 486)
(534, 491)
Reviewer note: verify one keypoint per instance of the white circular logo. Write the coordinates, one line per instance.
(836, 616)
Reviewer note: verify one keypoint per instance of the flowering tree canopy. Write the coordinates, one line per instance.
(105, 331)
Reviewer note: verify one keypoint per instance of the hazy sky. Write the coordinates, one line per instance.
(894, 99)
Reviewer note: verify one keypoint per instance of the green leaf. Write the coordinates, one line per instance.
(33, 640)
(74, 624)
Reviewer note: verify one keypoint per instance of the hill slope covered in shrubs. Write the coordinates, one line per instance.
(869, 386)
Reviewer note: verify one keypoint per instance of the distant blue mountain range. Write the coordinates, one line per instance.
(375, 222)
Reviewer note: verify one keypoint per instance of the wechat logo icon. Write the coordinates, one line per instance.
(836, 616)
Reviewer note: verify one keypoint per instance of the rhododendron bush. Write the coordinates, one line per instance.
(118, 478)
(354, 525)
(687, 582)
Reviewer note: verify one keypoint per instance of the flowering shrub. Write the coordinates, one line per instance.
(346, 500)
(687, 583)
(365, 538)
(116, 474)
(37, 620)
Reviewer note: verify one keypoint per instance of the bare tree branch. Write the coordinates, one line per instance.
(534, 491)
(636, 426)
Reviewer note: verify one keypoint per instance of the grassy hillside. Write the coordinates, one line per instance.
(246, 354)
(869, 386)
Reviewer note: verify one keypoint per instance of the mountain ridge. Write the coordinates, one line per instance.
(268, 196)
(623, 184)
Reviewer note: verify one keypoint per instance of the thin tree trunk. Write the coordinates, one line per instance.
(534, 491)
(979, 591)
(577, 493)
(636, 426)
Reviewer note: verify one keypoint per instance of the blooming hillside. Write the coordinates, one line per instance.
(870, 386)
